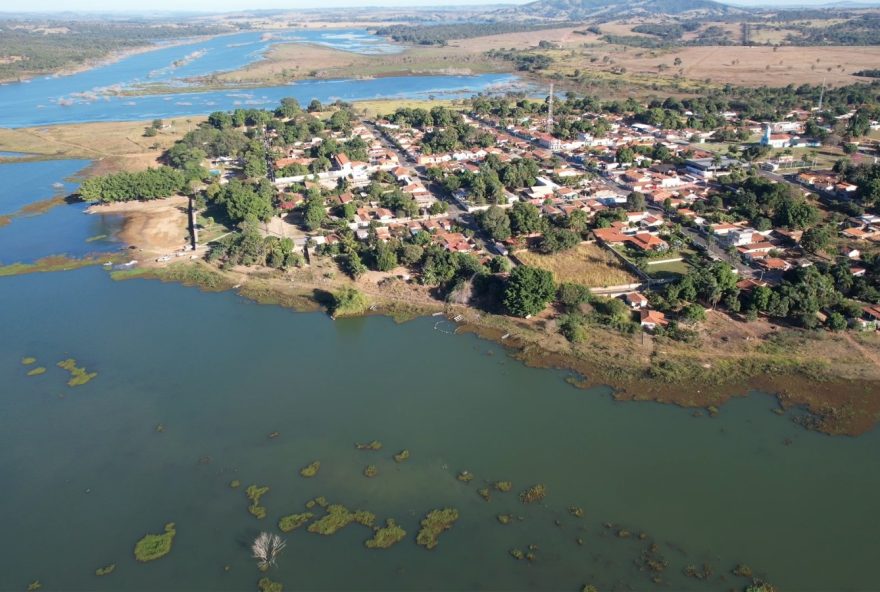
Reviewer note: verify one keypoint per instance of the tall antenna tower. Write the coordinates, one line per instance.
(822, 94)
(550, 112)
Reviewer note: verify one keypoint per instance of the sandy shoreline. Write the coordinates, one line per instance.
(157, 227)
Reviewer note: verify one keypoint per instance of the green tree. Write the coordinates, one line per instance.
(496, 223)
(528, 290)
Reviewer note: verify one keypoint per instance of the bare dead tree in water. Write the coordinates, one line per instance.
(266, 549)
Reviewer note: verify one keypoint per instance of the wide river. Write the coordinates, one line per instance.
(93, 95)
(86, 471)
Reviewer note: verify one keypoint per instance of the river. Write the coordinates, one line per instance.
(93, 95)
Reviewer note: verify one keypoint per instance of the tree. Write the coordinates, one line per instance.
(528, 290)
(525, 218)
(635, 201)
(558, 239)
(315, 212)
(572, 296)
(816, 238)
(693, 313)
(266, 549)
(496, 223)
(386, 258)
(836, 321)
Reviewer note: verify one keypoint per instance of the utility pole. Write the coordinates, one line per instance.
(822, 95)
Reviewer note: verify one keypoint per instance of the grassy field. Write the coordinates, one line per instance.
(586, 264)
(114, 145)
(671, 269)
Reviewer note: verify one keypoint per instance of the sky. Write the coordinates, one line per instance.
(232, 5)
(223, 5)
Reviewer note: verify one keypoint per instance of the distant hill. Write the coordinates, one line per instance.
(580, 10)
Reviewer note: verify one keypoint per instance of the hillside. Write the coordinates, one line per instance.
(580, 10)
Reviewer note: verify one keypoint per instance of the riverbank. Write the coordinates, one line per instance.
(810, 370)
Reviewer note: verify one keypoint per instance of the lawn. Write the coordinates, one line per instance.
(672, 269)
(585, 264)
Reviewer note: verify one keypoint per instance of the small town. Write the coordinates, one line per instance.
(668, 219)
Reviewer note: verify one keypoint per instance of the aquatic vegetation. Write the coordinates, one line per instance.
(485, 493)
(528, 555)
(160, 428)
(37, 371)
(533, 494)
(505, 518)
(703, 573)
(310, 470)
(106, 570)
(318, 501)
(254, 493)
(78, 376)
(338, 517)
(371, 471)
(384, 537)
(273, 435)
(713, 410)
(576, 511)
(589, 588)
(503, 486)
(154, 546)
(465, 476)
(401, 456)
(235, 483)
(743, 571)
(47, 264)
(35, 585)
(623, 534)
(348, 302)
(517, 554)
(27, 361)
(760, 586)
(652, 560)
(374, 445)
(266, 549)
(434, 524)
(294, 521)
(267, 585)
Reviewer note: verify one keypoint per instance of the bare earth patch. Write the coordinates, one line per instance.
(158, 226)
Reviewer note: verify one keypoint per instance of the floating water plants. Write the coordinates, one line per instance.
(465, 477)
(374, 445)
(485, 493)
(401, 456)
(434, 524)
(294, 521)
(533, 494)
(35, 585)
(371, 471)
(235, 484)
(503, 486)
(505, 518)
(310, 470)
(254, 493)
(318, 501)
(338, 517)
(78, 376)
(743, 571)
(106, 570)
(267, 585)
(37, 371)
(154, 546)
(28, 361)
(576, 511)
(384, 537)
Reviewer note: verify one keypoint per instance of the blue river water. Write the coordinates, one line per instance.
(93, 95)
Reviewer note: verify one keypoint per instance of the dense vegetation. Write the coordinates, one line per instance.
(29, 47)
(442, 34)
(124, 186)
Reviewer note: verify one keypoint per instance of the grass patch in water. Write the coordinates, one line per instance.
(235, 483)
(374, 445)
(371, 471)
(576, 511)
(154, 546)
(106, 570)
(310, 470)
(533, 494)
(338, 517)
(37, 371)
(28, 361)
(96, 238)
(293, 521)
(254, 493)
(485, 493)
(435, 523)
(465, 477)
(503, 486)
(401, 456)
(47, 264)
(348, 302)
(505, 518)
(267, 585)
(35, 585)
(78, 376)
(384, 537)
